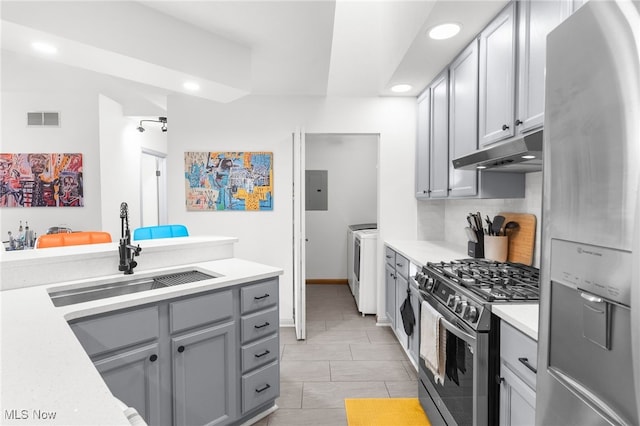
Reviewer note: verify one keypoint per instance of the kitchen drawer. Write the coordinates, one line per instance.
(517, 350)
(258, 296)
(112, 332)
(260, 324)
(402, 265)
(200, 310)
(260, 353)
(260, 386)
(390, 256)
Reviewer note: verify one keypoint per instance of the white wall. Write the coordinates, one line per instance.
(266, 124)
(120, 150)
(351, 162)
(78, 132)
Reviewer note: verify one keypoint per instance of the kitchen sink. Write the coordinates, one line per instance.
(118, 288)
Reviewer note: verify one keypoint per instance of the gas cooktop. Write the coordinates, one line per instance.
(491, 281)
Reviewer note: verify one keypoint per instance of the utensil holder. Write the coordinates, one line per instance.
(496, 247)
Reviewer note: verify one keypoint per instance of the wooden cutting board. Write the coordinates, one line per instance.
(522, 240)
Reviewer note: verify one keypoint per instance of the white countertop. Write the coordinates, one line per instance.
(421, 252)
(43, 367)
(524, 317)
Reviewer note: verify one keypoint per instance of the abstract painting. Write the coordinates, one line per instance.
(41, 180)
(228, 181)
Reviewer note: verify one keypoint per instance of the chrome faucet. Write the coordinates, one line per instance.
(127, 251)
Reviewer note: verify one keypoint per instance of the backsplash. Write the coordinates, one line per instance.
(445, 219)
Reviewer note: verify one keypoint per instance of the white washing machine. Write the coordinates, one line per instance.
(365, 249)
(351, 239)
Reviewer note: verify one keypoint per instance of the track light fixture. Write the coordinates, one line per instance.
(162, 120)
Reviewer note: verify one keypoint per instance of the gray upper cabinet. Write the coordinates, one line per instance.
(422, 148)
(497, 77)
(439, 137)
(463, 119)
(536, 20)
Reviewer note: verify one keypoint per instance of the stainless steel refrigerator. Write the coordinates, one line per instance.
(589, 335)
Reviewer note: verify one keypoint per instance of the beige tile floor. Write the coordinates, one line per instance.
(345, 356)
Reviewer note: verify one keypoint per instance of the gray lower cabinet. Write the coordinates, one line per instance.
(134, 376)
(518, 364)
(399, 286)
(206, 359)
(390, 294)
(203, 391)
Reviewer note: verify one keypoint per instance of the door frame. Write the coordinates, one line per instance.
(299, 255)
(161, 185)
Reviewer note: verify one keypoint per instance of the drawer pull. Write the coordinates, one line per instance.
(266, 352)
(261, 297)
(266, 323)
(525, 361)
(264, 388)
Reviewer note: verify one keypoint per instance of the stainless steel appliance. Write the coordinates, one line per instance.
(463, 292)
(586, 362)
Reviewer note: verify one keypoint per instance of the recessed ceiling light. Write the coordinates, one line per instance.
(401, 88)
(444, 31)
(191, 85)
(528, 157)
(481, 167)
(46, 48)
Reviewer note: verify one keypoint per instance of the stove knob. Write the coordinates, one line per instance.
(472, 314)
(460, 307)
(453, 301)
(429, 283)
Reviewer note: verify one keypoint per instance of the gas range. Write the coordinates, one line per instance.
(468, 287)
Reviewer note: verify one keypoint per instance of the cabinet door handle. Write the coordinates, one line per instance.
(505, 127)
(399, 264)
(499, 379)
(388, 257)
(153, 358)
(266, 323)
(264, 388)
(261, 297)
(525, 361)
(180, 349)
(266, 352)
(518, 122)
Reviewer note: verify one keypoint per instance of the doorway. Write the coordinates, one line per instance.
(351, 161)
(153, 194)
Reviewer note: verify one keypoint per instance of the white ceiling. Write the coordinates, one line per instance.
(139, 52)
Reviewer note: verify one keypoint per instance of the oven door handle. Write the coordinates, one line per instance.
(458, 332)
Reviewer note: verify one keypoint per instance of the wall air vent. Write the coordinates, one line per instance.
(40, 119)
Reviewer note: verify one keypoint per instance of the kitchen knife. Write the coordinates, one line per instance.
(471, 236)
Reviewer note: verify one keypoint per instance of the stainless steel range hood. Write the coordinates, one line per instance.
(519, 155)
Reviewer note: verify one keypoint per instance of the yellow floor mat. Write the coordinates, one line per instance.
(385, 412)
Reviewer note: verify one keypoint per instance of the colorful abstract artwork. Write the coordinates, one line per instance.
(41, 180)
(229, 180)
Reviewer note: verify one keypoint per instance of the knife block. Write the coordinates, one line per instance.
(475, 250)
